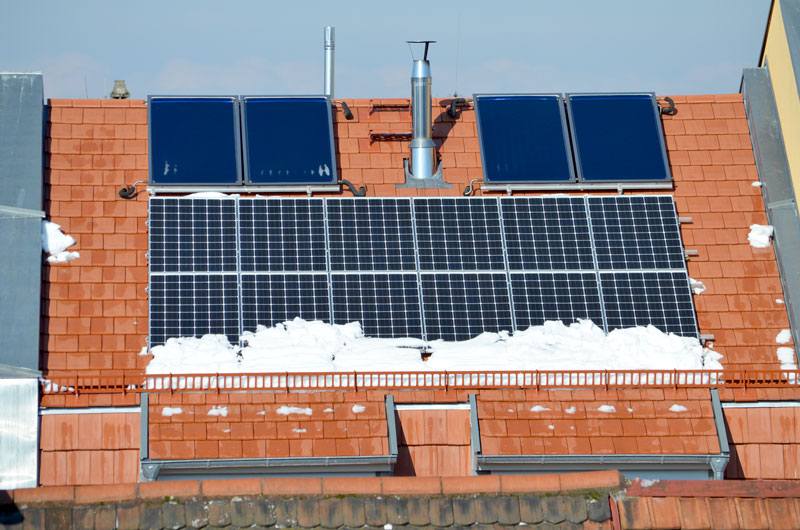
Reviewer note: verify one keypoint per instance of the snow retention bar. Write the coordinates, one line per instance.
(288, 382)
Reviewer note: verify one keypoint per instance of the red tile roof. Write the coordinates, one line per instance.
(267, 425)
(571, 422)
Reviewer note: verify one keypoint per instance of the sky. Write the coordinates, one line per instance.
(276, 48)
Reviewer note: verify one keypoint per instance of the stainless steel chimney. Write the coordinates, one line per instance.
(423, 170)
(329, 46)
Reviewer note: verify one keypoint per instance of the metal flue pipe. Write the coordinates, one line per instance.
(329, 46)
(423, 150)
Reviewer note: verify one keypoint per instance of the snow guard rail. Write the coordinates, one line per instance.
(419, 380)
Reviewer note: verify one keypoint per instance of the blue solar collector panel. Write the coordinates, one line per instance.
(288, 140)
(617, 138)
(523, 138)
(194, 140)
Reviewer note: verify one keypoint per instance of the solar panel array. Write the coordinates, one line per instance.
(434, 268)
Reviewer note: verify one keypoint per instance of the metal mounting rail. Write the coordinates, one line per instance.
(467, 380)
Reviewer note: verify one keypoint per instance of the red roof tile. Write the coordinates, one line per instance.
(588, 422)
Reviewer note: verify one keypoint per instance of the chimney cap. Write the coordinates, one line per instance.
(120, 91)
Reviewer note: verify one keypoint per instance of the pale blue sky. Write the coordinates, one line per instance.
(266, 47)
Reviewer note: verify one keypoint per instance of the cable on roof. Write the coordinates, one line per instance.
(670, 110)
(470, 188)
(453, 110)
(130, 191)
(361, 192)
(348, 115)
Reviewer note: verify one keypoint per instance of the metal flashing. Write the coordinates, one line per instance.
(719, 464)
(89, 410)
(391, 425)
(769, 151)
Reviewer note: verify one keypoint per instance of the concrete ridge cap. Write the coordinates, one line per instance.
(742, 489)
(322, 486)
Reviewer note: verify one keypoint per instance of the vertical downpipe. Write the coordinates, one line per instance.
(329, 46)
(423, 150)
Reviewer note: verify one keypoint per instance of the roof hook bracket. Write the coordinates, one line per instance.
(670, 110)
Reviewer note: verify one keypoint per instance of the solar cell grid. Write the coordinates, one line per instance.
(458, 234)
(370, 234)
(662, 299)
(636, 232)
(567, 297)
(387, 305)
(193, 305)
(547, 233)
(269, 299)
(282, 235)
(192, 235)
(461, 306)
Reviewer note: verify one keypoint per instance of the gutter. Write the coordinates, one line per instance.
(153, 470)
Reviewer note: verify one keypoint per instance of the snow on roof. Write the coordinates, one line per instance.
(313, 346)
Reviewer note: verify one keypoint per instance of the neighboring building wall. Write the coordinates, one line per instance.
(780, 57)
(82, 449)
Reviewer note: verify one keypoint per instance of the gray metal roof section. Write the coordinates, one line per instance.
(21, 163)
(773, 170)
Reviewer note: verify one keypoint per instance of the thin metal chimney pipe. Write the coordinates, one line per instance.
(423, 150)
(329, 46)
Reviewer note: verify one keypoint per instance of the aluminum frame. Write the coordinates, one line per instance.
(576, 147)
(245, 146)
(564, 131)
(193, 186)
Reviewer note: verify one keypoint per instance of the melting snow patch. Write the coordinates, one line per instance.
(218, 411)
(646, 483)
(55, 242)
(678, 408)
(298, 430)
(570, 410)
(539, 408)
(262, 413)
(226, 430)
(286, 410)
(697, 286)
(551, 427)
(303, 346)
(757, 184)
(759, 235)
(606, 408)
(630, 409)
(358, 408)
(328, 410)
(779, 301)
(787, 359)
(171, 411)
(208, 195)
(784, 336)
